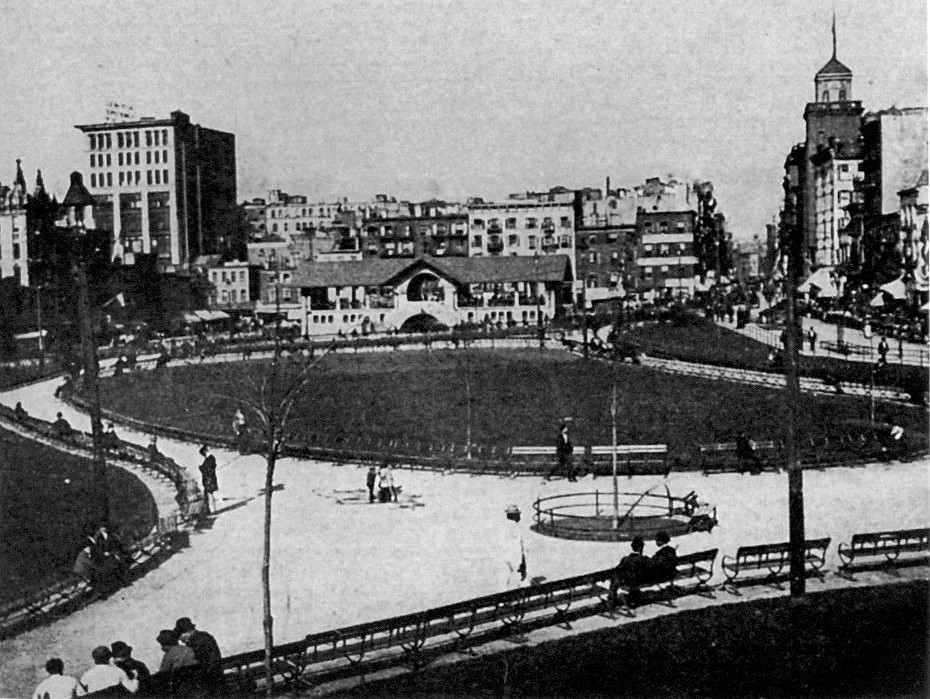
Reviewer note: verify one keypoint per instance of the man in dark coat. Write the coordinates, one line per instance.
(208, 479)
(564, 451)
(135, 669)
(631, 572)
(206, 650)
(662, 564)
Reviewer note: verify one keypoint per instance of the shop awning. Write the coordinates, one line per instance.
(895, 289)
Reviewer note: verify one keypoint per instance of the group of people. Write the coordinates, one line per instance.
(103, 560)
(637, 570)
(190, 667)
(383, 478)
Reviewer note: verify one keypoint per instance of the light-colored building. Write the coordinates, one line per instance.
(382, 294)
(163, 186)
(835, 167)
(523, 229)
(231, 284)
(915, 236)
(14, 251)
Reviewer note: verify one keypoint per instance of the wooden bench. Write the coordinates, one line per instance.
(774, 560)
(533, 458)
(631, 458)
(692, 569)
(885, 549)
(720, 457)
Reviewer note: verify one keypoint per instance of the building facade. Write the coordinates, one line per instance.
(14, 247)
(665, 263)
(435, 235)
(163, 186)
(835, 167)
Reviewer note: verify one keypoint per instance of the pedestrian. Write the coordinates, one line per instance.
(900, 348)
(154, 454)
(883, 350)
(103, 675)
(385, 484)
(630, 573)
(57, 685)
(240, 429)
(812, 339)
(867, 330)
(135, 669)
(563, 450)
(110, 441)
(206, 650)
(20, 412)
(370, 480)
(513, 551)
(208, 479)
(746, 455)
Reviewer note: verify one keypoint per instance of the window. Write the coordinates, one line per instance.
(164, 136)
(93, 142)
(157, 137)
(148, 157)
(135, 139)
(109, 142)
(157, 177)
(513, 240)
(842, 95)
(157, 157)
(665, 268)
(566, 222)
(663, 226)
(511, 223)
(119, 140)
(164, 176)
(592, 240)
(119, 159)
(592, 257)
(121, 179)
(137, 157)
(478, 223)
(138, 176)
(825, 97)
(663, 249)
(93, 179)
(148, 138)
(680, 226)
(531, 222)
(274, 227)
(476, 241)
(647, 224)
(109, 179)
(566, 241)
(647, 248)
(109, 160)
(148, 177)
(531, 242)
(93, 160)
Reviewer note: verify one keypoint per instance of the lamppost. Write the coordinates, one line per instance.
(539, 322)
(76, 201)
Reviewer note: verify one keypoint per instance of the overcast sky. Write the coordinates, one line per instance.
(451, 99)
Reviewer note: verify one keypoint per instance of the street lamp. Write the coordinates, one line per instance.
(539, 323)
(76, 202)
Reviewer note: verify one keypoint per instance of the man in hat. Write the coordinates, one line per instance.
(205, 648)
(178, 674)
(103, 675)
(208, 479)
(563, 451)
(513, 549)
(135, 669)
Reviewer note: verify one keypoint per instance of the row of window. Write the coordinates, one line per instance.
(16, 251)
(228, 276)
(529, 222)
(666, 248)
(129, 139)
(532, 242)
(129, 178)
(676, 272)
(663, 226)
(230, 296)
(105, 160)
(347, 318)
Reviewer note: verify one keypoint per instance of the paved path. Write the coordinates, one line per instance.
(338, 560)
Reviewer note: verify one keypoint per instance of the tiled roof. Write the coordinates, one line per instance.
(464, 270)
(834, 67)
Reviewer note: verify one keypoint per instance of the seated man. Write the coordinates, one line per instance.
(62, 427)
(630, 573)
(662, 564)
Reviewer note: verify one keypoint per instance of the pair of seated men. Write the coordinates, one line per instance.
(637, 570)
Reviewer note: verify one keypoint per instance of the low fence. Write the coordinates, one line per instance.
(165, 536)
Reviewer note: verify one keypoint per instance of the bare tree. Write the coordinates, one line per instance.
(269, 395)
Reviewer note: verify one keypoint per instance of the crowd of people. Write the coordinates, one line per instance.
(191, 666)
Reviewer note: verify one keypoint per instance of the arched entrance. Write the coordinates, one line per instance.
(422, 323)
(424, 287)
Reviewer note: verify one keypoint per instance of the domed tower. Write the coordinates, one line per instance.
(832, 115)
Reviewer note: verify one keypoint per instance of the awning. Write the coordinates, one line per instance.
(895, 289)
(878, 301)
(190, 318)
(211, 315)
(822, 280)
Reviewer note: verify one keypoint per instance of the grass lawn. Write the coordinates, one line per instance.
(700, 340)
(518, 397)
(42, 516)
(13, 375)
(864, 642)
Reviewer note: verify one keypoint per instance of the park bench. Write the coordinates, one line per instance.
(530, 458)
(773, 560)
(720, 457)
(844, 348)
(632, 459)
(692, 572)
(884, 549)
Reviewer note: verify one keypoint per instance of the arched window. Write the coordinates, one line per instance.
(825, 97)
(842, 95)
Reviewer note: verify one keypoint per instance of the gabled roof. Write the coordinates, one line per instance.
(834, 67)
(77, 195)
(462, 270)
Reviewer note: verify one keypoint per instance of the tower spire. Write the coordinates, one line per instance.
(834, 33)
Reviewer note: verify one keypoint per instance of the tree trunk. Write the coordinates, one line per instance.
(267, 620)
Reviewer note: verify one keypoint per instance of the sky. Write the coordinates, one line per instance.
(452, 99)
